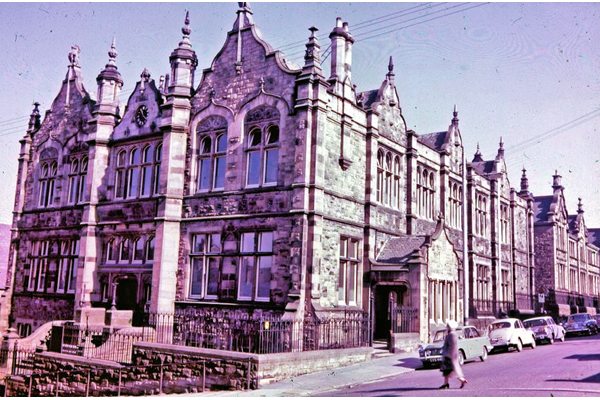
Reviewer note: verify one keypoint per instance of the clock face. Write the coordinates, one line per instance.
(141, 116)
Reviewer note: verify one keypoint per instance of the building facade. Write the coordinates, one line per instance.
(567, 263)
(265, 188)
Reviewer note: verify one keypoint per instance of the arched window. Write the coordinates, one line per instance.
(425, 193)
(262, 147)
(77, 179)
(137, 172)
(212, 151)
(138, 251)
(157, 160)
(380, 158)
(388, 178)
(147, 161)
(396, 199)
(133, 173)
(124, 251)
(111, 251)
(47, 182)
(120, 177)
(150, 250)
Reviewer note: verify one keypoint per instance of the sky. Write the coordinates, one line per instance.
(528, 73)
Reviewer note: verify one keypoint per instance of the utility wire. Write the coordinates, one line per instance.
(381, 19)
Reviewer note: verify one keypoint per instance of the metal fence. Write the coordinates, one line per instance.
(233, 331)
(18, 361)
(404, 319)
(263, 334)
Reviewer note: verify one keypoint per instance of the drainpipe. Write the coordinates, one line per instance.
(466, 293)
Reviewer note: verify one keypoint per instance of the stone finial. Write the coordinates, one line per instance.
(455, 120)
(524, 181)
(579, 207)
(500, 149)
(390, 75)
(74, 56)
(312, 55)
(112, 53)
(477, 157)
(186, 30)
(161, 84)
(145, 75)
(556, 183)
(34, 118)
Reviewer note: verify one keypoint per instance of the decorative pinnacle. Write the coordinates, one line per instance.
(312, 30)
(501, 143)
(186, 30)
(455, 113)
(112, 53)
(34, 120)
(391, 65)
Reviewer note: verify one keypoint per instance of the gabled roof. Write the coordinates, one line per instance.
(572, 221)
(398, 250)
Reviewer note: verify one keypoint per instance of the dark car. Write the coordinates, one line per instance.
(581, 324)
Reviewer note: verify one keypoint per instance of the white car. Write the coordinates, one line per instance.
(510, 333)
(544, 328)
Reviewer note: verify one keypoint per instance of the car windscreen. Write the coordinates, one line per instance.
(578, 318)
(534, 322)
(439, 336)
(499, 325)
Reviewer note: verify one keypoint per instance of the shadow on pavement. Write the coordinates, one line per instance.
(411, 362)
(398, 389)
(584, 357)
(589, 379)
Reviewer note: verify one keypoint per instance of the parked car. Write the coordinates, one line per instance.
(545, 329)
(471, 345)
(510, 333)
(581, 324)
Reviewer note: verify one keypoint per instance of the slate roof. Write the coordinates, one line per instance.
(483, 167)
(434, 140)
(541, 206)
(572, 219)
(368, 97)
(594, 236)
(398, 250)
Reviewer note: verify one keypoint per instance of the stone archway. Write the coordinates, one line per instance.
(126, 294)
(387, 297)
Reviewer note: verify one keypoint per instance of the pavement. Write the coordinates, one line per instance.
(382, 365)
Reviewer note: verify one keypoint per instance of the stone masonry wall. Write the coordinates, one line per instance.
(544, 261)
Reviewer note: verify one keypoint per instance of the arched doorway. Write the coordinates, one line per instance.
(387, 298)
(126, 293)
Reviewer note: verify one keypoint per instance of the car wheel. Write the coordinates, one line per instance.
(461, 357)
(484, 354)
(551, 340)
(589, 332)
(519, 346)
(533, 343)
(426, 364)
(564, 336)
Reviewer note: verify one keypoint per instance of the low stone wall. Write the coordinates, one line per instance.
(276, 367)
(162, 368)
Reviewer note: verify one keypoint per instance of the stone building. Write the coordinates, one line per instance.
(265, 188)
(567, 256)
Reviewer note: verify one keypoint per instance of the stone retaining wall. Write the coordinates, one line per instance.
(162, 368)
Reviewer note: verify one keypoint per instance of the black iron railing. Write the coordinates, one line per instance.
(483, 306)
(404, 319)
(233, 331)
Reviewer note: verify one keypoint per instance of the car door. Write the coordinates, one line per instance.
(521, 332)
(467, 343)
